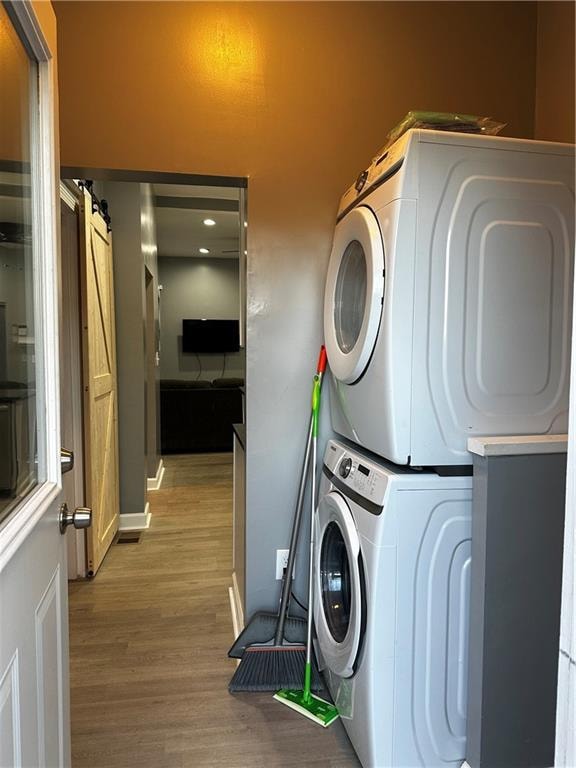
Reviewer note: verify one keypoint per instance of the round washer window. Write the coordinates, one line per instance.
(350, 296)
(335, 582)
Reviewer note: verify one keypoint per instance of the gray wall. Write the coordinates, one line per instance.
(151, 310)
(133, 243)
(192, 288)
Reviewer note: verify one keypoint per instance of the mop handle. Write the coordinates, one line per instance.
(315, 411)
(315, 407)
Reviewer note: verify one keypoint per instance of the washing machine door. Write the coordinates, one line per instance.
(338, 602)
(354, 294)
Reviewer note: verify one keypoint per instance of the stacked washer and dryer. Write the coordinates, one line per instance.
(447, 315)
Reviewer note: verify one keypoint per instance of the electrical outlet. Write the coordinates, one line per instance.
(281, 561)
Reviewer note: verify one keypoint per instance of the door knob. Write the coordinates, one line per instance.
(66, 460)
(80, 518)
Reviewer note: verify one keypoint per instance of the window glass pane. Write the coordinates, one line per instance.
(350, 299)
(335, 582)
(18, 436)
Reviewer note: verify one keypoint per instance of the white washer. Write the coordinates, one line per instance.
(392, 582)
(448, 296)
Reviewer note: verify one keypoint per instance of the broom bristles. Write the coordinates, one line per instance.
(269, 668)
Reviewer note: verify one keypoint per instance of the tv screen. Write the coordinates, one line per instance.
(210, 336)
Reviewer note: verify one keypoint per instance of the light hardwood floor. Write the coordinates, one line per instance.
(149, 637)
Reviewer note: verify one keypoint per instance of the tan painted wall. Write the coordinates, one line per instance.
(238, 87)
(555, 72)
(14, 98)
(298, 97)
(14, 69)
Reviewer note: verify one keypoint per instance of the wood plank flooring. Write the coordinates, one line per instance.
(148, 643)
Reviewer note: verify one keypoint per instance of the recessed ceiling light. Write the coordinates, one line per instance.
(203, 250)
(209, 222)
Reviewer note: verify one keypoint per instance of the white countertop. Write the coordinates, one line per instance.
(517, 445)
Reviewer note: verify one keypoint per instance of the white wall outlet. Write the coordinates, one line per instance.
(281, 561)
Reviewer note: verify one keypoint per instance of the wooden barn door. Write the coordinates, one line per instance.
(100, 391)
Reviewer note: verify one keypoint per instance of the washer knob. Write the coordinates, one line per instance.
(345, 467)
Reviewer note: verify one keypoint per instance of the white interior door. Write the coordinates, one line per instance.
(34, 699)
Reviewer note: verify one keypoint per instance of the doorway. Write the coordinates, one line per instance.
(163, 277)
(170, 265)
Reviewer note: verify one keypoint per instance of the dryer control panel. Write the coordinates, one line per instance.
(368, 479)
(386, 162)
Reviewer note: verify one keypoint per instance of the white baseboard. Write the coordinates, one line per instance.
(136, 521)
(236, 610)
(235, 625)
(155, 483)
(236, 607)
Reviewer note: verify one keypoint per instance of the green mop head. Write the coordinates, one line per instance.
(307, 704)
(311, 706)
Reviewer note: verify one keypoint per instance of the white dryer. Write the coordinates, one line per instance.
(392, 582)
(448, 295)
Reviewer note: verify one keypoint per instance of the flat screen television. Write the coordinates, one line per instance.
(208, 336)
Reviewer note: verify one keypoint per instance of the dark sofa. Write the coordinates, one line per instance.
(197, 416)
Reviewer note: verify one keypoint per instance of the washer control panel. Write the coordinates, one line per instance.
(362, 475)
(345, 467)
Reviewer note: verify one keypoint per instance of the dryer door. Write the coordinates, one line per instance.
(338, 601)
(354, 294)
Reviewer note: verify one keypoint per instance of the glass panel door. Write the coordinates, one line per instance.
(34, 727)
(19, 471)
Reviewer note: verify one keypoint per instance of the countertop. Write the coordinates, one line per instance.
(517, 445)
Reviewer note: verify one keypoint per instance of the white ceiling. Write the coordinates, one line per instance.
(181, 231)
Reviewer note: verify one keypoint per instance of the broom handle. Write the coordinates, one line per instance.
(288, 573)
(287, 582)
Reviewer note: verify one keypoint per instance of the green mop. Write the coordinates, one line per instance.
(305, 702)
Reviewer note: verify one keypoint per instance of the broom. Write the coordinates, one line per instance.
(272, 649)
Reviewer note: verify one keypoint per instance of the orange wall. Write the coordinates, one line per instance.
(210, 87)
(555, 72)
(45, 14)
(298, 96)
(16, 86)
(15, 95)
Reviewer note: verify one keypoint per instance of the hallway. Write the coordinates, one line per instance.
(148, 643)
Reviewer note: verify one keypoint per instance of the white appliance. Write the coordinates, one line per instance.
(448, 295)
(392, 581)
